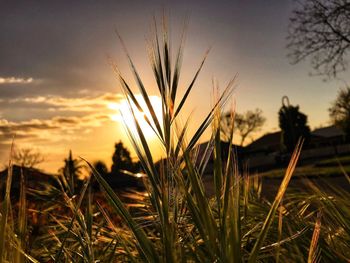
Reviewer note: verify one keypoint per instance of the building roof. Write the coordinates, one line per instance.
(328, 132)
(269, 141)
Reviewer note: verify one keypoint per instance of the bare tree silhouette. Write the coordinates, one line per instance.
(340, 111)
(244, 124)
(320, 30)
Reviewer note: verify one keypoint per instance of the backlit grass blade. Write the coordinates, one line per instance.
(142, 89)
(130, 95)
(22, 220)
(118, 235)
(181, 138)
(6, 204)
(89, 223)
(218, 170)
(75, 211)
(286, 240)
(177, 67)
(236, 218)
(157, 63)
(199, 206)
(208, 120)
(148, 155)
(145, 247)
(268, 221)
(280, 225)
(153, 177)
(230, 169)
(166, 53)
(207, 153)
(312, 257)
(188, 90)
(25, 255)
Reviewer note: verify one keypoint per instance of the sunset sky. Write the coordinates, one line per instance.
(57, 89)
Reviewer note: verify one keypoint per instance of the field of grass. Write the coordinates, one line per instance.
(176, 221)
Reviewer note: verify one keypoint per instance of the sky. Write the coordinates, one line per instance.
(58, 91)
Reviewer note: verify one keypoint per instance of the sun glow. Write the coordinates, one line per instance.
(124, 114)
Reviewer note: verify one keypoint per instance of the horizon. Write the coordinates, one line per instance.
(58, 91)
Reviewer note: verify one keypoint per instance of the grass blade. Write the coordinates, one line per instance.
(22, 221)
(142, 89)
(145, 247)
(188, 90)
(312, 257)
(283, 187)
(74, 216)
(5, 208)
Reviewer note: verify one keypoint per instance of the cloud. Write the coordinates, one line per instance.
(50, 118)
(55, 120)
(49, 129)
(6, 126)
(15, 80)
(58, 103)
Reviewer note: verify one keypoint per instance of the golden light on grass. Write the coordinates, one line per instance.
(124, 114)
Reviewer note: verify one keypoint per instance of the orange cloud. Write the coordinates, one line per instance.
(81, 104)
(15, 80)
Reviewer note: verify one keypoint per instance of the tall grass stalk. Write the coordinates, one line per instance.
(5, 206)
(22, 222)
(188, 224)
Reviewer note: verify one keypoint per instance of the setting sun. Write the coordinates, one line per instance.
(124, 114)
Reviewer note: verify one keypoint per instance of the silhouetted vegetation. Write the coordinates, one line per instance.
(122, 160)
(72, 173)
(26, 157)
(244, 124)
(101, 168)
(293, 124)
(319, 30)
(340, 111)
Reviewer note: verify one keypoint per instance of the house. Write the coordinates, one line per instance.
(270, 142)
(265, 152)
(330, 135)
(33, 179)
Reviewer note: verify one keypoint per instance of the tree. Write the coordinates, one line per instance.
(26, 157)
(340, 111)
(101, 168)
(319, 30)
(244, 124)
(293, 124)
(71, 171)
(121, 159)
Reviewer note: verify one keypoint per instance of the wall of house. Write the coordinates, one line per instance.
(269, 160)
